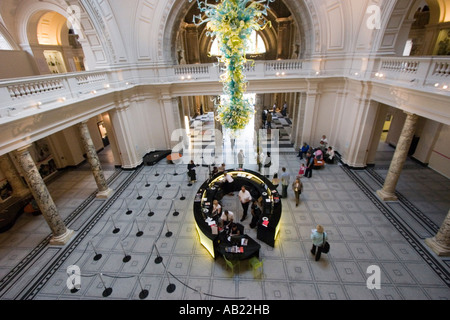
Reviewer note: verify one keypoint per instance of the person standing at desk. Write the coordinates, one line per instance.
(228, 184)
(221, 168)
(227, 218)
(275, 181)
(244, 197)
(256, 214)
(234, 231)
(216, 210)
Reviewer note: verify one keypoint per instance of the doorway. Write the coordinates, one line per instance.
(103, 133)
(386, 127)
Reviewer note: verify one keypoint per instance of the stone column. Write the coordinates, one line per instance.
(192, 55)
(103, 190)
(400, 155)
(284, 40)
(171, 117)
(11, 174)
(440, 243)
(312, 98)
(61, 235)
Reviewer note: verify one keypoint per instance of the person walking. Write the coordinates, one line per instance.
(264, 118)
(318, 237)
(191, 171)
(284, 110)
(285, 180)
(309, 165)
(269, 120)
(244, 197)
(297, 186)
(275, 181)
(260, 160)
(241, 158)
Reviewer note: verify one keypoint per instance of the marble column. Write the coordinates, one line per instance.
(61, 235)
(400, 155)
(103, 190)
(284, 40)
(440, 243)
(192, 55)
(13, 177)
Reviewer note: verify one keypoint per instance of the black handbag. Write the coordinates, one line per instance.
(325, 245)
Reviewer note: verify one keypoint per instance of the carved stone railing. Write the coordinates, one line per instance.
(419, 72)
(22, 97)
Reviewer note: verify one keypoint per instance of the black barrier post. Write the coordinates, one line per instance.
(97, 256)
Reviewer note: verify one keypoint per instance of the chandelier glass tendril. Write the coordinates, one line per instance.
(232, 23)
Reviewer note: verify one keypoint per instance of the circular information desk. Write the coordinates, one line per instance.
(268, 224)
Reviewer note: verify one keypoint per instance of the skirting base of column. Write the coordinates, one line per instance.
(386, 196)
(440, 250)
(104, 194)
(62, 239)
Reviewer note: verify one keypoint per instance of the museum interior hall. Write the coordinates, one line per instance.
(136, 135)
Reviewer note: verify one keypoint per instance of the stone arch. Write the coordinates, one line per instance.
(176, 10)
(29, 13)
(400, 19)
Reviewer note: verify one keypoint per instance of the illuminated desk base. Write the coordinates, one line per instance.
(206, 242)
(260, 186)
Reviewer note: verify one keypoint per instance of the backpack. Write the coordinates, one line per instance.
(325, 245)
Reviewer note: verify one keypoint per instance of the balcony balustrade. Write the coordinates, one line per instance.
(23, 97)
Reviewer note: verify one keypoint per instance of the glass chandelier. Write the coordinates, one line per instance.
(232, 23)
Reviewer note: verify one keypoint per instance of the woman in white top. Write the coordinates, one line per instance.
(329, 156)
(217, 209)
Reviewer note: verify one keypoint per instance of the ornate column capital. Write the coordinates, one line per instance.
(410, 114)
(23, 149)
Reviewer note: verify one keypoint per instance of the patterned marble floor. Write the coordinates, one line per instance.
(362, 233)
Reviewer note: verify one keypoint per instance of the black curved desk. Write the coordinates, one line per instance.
(249, 250)
(269, 223)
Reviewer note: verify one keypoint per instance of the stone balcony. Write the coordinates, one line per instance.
(24, 97)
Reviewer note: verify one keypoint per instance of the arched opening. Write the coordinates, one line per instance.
(426, 29)
(256, 46)
(55, 43)
(289, 38)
